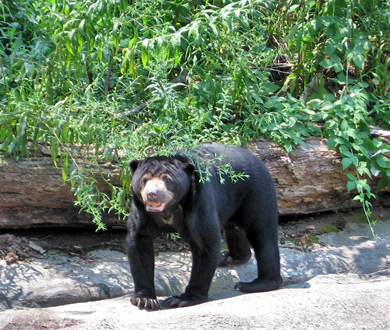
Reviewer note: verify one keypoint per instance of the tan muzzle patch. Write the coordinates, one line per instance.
(155, 195)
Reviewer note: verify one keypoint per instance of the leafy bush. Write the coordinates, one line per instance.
(345, 42)
(103, 81)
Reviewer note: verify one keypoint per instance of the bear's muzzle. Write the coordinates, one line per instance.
(155, 195)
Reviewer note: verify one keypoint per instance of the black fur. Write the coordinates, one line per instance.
(246, 209)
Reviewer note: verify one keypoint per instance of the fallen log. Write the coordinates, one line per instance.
(311, 180)
(307, 181)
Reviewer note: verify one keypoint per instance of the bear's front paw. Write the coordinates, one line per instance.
(145, 302)
(174, 302)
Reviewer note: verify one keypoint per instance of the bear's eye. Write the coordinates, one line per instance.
(144, 180)
(167, 180)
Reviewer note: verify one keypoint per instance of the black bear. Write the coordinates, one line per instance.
(169, 196)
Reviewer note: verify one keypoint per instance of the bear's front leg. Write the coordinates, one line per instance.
(204, 264)
(141, 258)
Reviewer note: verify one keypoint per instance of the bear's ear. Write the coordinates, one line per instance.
(189, 168)
(134, 164)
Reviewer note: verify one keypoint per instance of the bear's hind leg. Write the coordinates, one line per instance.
(239, 248)
(268, 266)
(261, 228)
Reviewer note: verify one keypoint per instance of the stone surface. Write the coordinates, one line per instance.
(329, 302)
(341, 283)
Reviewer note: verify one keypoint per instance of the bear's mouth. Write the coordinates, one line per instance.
(155, 207)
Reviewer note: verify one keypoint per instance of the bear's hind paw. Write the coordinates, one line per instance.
(227, 260)
(259, 285)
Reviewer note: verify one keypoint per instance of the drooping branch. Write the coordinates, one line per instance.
(181, 79)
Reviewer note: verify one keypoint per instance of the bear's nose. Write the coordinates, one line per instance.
(152, 195)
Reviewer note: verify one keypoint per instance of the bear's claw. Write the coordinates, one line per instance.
(147, 303)
(174, 302)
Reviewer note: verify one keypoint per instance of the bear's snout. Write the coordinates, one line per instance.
(155, 195)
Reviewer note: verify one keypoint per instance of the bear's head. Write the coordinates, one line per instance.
(161, 183)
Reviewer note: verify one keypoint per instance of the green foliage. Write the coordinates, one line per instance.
(311, 239)
(347, 42)
(173, 236)
(329, 229)
(97, 80)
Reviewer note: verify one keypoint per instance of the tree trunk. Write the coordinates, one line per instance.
(307, 181)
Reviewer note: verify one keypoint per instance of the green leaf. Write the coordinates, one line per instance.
(363, 169)
(351, 186)
(65, 169)
(352, 132)
(327, 63)
(362, 149)
(359, 198)
(332, 62)
(81, 26)
(69, 47)
(54, 152)
(332, 143)
(116, 27)
(292, 33)
(144, 56)
(344, 150)
(358, 59)
(344, 125)
(346, 162)
(341, 141)
(382, 161)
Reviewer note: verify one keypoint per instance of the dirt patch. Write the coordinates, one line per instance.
(22, 245)
(14, 248)
(303, 231)
(300, 232)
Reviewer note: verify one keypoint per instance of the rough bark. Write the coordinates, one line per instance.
(32, 193)
(310, 180)
(307, 181)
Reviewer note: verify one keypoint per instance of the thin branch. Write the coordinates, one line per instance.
(181, 79)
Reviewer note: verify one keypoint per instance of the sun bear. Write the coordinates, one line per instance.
(168, 195)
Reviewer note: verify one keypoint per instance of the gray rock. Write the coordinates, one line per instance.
(342, 283)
